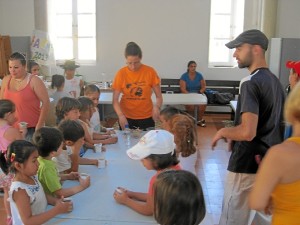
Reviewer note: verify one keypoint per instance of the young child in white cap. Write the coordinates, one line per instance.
(156, 150)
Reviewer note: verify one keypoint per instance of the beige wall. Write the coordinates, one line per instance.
(170, 32)
(16, 17)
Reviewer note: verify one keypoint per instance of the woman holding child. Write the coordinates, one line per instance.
(136, 82)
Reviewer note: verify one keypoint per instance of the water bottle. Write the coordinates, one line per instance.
(104, 83)
(127, 135)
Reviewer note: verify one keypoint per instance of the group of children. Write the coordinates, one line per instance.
(52, 149)
(26, 165)
(32, 172)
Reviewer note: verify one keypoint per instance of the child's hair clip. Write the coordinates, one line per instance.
(12, 157)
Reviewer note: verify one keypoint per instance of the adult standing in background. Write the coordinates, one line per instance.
(294, 77)
(28, 92)
(193, 82)
(258, 126)
(136, 81)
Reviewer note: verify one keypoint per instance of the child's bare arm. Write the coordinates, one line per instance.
(23, 204)
(69, 176)
(110, 140)
(98, 136)
(67, 192)
(144, 208)
(137, 195)
(51, 199)
(13, 134)
(86, 161)
(74, 162)
(88, 138)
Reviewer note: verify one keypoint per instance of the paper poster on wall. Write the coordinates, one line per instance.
(41, 48)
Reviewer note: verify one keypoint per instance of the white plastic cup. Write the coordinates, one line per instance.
(119, 190)
(98, 147)
(67, 199)
(101, 163)
(102, 155)
(83, 175)
(23, 124)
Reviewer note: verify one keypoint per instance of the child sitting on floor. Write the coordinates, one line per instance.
(28, 201)
(156, 150)
(178, 198)
(49, 142)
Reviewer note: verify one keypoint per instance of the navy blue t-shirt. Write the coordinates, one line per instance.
(262, 94)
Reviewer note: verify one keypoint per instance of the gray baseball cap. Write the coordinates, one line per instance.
(252, 37)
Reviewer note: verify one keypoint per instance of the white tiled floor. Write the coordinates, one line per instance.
(212, 167)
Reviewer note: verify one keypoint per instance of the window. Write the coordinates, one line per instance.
(72, 28)
(226, 22)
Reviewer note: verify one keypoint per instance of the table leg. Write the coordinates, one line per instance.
(101, 111)
(196, 114)
(196, 118)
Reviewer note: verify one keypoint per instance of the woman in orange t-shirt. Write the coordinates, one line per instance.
(136, 82)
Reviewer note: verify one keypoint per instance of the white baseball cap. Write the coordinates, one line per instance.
(157, 142)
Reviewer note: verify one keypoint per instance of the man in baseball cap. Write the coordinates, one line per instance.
(258, 126)
(253, 37)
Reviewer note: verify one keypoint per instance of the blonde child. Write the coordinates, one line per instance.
(182, 126)
(178, 198)
(73, 84)
(156, 150)
(49, 142)
(28, 201)
(8, 134)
